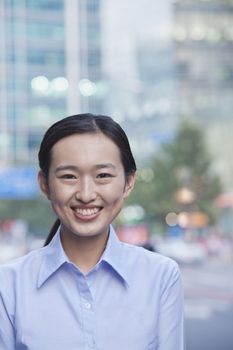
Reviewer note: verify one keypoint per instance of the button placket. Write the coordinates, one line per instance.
(88, 313)
(87, 305)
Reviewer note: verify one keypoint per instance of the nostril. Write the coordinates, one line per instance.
(85, 197)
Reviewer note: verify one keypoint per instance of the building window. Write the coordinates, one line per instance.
(94, 57)
(45, 30)
(46, 57)
(45, 4)
(93, 5)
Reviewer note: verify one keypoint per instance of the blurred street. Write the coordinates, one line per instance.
(209, 305)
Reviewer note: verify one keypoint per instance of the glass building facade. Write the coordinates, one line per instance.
(203, 33)
(50, 66)
(203, 41)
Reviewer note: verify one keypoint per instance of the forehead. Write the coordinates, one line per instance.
(87, 148)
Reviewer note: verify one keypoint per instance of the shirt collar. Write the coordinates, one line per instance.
(113, 256)
(55, 256)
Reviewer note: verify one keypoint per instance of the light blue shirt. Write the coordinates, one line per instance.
(131, 300)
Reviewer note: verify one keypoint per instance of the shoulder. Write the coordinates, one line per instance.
(16, 269)
(152, 270)
(16, 276)
(143, 258)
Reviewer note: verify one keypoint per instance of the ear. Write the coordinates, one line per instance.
(129, 185)
(43, 184)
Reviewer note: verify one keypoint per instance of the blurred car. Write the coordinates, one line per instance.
(134, 234)
(138, 234)
(182, 251)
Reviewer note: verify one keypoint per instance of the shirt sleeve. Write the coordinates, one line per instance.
(7, 339)
(171, 328)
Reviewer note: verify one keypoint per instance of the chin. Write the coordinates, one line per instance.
(88, 232)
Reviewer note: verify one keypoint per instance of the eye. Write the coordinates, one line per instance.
(68, 176)
(104, 175)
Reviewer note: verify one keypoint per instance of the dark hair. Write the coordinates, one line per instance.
(81, 124)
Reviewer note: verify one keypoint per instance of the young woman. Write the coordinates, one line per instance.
(85, 289)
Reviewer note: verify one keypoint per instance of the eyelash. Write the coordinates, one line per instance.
(68, 176)
(104, 175)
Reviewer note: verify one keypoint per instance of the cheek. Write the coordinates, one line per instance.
(115, 194)
(58, 195)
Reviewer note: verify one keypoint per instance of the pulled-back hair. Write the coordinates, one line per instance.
(81, 124)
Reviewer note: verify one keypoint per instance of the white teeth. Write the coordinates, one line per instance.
(87, 212)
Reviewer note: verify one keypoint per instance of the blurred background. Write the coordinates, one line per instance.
(164, 70)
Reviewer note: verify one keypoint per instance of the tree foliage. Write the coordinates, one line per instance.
(184, 162)
(36, 212)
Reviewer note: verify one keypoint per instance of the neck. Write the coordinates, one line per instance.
(84, 252)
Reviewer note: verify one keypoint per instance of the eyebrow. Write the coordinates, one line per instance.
(75, 168)
(105, 165)
(66, 167)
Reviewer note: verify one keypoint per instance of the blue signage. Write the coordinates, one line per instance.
(18, 183)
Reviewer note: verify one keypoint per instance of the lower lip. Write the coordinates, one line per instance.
(86, 218)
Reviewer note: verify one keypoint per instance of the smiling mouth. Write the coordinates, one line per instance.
(87, 212)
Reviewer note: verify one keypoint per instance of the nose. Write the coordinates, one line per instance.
(86, 191)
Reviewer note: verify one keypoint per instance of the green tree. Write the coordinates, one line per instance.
(36, 212)
(184, 162)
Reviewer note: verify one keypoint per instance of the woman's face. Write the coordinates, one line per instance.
(86, 183)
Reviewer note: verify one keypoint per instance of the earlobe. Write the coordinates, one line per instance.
(129, 184)
(43, 184)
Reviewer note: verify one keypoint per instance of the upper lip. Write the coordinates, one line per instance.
(82, 207)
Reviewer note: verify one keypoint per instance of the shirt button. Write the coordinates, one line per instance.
(87, 306)
(91, 345)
